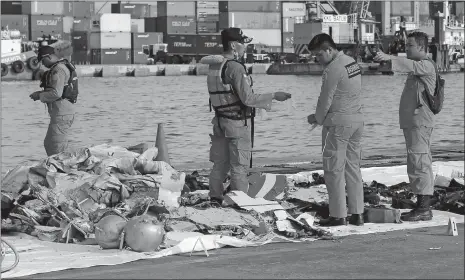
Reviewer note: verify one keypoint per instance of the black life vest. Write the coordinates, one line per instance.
(71, 89)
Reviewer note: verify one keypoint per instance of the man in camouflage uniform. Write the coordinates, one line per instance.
(61, 110)
(233, 100)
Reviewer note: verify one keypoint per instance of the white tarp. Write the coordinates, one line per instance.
(392, 175)
(40, 256)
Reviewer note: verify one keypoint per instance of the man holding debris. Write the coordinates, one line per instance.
(339, 110)
(416, 119)
(233, 100)
(60, 92)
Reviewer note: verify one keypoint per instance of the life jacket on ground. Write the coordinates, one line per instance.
(223, 99)
(71, 89)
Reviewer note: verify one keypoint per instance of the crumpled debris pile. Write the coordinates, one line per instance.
(94, 194)
(69, 189)
(449, 195)
(90, 196)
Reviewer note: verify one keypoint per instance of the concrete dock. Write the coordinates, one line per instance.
(135, 70)
(202, 69)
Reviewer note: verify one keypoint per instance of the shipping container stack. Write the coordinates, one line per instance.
(177, 21)
(208, 29)
(292, 13)
(258, 19)
(111, 43)
(49, 19)
(143, 28)
(36, 19)
(83, 23)
(13, 18)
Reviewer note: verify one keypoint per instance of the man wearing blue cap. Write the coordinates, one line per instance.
(233, 100)
(60, 86)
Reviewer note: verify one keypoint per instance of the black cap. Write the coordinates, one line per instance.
(45, 50)
(234, 34)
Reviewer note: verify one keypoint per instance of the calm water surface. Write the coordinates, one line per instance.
(125, 111)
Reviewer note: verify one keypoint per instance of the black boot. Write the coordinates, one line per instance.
(356, 220)
(332, 222)
(216, 202)
(422, 212)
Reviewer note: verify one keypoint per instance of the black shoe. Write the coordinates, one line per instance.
(422, 212)
(418, 215)
(332, 222)
(356, 219)
(216, 202)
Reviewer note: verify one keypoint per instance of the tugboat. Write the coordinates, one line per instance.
(18, 59)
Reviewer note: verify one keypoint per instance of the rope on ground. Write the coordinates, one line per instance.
(3, 255)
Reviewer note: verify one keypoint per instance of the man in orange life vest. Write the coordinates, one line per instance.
(60, 92)
(233, 100)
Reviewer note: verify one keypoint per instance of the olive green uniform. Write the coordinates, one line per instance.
(417, 122)
(231, 139)
(61, 111)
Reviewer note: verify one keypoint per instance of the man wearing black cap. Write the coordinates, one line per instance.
(60, 91)
(232, 98)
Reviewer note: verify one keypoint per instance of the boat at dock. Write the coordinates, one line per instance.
(18, 59)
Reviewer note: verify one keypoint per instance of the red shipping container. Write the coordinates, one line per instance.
(18, 22)
(82, 24)
(11, 7)
(181, 44)
(207, 27)
(148, 38)
(38, 35)
(83, 9)
(176, 25)
(81, 57)
(80, 40)
(209, 44)
(139, 57)
(46, 23)
(135, 10)
(111, 56)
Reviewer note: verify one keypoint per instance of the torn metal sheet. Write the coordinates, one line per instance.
(314, 194)
(244, 201)
(215, 217)
(184, 226)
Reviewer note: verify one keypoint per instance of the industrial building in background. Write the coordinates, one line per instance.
(179, 32)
